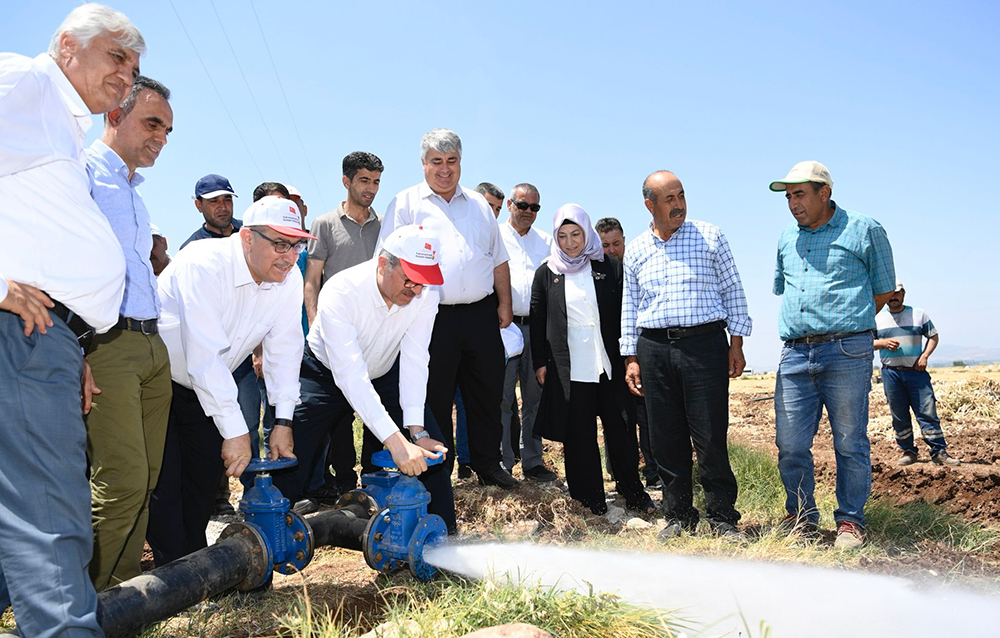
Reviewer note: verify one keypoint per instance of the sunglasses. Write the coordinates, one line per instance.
(525, 206)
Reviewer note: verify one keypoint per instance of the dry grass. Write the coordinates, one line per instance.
(976, 397)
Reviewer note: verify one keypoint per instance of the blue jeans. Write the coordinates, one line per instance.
(838, 375)
(46, 539)
(905, 389)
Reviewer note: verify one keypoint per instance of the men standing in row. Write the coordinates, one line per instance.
(128, 423)
(213, 197)
(219, 300)
(466, 348)
(345, 237)
(527, 247)
(368, 353)
(678, 357)
(609, 229)
(834, 273)
(62, 275)
(905, 381)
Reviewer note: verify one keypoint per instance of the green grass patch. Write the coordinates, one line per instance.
(905, 525)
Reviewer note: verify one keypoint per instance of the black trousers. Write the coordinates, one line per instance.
(324, 406)
(686, 385)
(584, 476)
(649, 469)
(342, 456)
(466, 350)
(184, 498)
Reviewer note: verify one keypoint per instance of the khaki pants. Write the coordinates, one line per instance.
(125, 436)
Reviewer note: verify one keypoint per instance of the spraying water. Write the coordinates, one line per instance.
(793, 600)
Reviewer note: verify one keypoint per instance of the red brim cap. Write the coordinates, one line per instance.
(427, 275)
(290, 231)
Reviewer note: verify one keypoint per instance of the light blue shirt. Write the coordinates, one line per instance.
(121, 203)
(827, 277)
(686, 281)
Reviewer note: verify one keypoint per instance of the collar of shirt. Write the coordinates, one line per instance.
(372, 215)
(380, 304)
(685, 228)
(73, 101)
(425, 192)
(838, 220)
(115, 163)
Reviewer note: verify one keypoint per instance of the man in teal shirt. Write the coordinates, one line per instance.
(834, 273)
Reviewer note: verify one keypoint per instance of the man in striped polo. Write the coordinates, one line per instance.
(907, 385)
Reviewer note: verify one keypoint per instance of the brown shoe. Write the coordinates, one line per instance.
(943, 458)
(850, 535)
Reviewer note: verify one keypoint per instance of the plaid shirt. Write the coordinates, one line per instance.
(688, 280)
(827, 277)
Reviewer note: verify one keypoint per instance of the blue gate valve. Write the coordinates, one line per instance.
(266, 512)
(396, 537)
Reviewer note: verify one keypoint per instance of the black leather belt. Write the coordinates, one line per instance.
(909, 368)
(832, 336)
(145, 326)
(522, 321)
(673, 334)
(84, 333)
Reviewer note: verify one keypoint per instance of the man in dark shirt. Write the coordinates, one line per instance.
(213, 197)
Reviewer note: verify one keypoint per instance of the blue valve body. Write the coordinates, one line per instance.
(285, 534)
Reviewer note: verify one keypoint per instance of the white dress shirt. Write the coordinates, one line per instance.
(587, 355)
(56, 238)
(526, 255)
(471, 246)
(358, 337)
(213, 315)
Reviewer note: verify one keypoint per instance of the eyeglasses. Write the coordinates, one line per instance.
(408, 283)
(281, 246)
(525, 206)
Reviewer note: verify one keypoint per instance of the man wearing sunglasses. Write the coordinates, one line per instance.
(219, 300)
(368, 353)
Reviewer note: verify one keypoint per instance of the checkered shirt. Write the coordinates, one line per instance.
(827, 277)
(688, 280)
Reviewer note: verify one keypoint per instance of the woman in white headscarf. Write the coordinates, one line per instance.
(576, 302)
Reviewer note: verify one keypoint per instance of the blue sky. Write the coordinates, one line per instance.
(899, 100)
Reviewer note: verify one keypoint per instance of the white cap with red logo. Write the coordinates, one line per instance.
(417, 251)
(278, 214)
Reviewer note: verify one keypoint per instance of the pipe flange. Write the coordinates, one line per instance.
(358, 497)
(429, 531)
(260, 554)
(371, 545)
(301, 536)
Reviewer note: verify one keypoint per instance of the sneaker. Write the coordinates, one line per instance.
(464, 471)
(943, 458)
(540, 474)
(674, 528)
(909, 458)
(849, 535)
(728, 531)
(795, 525)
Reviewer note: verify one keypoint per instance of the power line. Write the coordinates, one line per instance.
(249, 90)
(215, 88)
(291, 116)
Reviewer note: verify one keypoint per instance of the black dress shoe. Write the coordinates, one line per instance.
(540, 474)
(305, 506)
(497, 476)
(464, 471)
(653, 482)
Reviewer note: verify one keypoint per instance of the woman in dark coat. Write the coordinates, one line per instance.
(576, 300)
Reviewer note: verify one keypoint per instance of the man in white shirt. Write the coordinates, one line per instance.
(466, 349)
(128, 424)
(527, 247)
(219, 300)
(368, 353)
(62, 276)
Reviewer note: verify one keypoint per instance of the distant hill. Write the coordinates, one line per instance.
(946, 354)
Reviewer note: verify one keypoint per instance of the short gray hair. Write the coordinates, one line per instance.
(391, 260)
(92, 19)
(441, 140)
(529, 189)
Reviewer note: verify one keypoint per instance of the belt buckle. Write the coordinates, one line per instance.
(144, 331)
(671, 334)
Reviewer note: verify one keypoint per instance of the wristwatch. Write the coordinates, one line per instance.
(285, 422)
(422, 434)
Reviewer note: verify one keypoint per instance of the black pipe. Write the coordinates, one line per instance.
(344, 527)
(127, 609)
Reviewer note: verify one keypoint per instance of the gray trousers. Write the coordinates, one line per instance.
(46, 537)
(521, 368)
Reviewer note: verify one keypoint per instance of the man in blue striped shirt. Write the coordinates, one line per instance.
(127, 426)
(834, 273)
(682, 291)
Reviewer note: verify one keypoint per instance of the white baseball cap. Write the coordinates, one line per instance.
(279, 214)
(803, 172)
(294, 192)
(417, 251)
